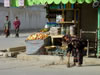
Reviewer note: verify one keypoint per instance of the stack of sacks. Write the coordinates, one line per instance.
(55, 30)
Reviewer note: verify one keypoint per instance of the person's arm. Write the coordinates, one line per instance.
(19, 23)
(9, 24)
(4, 25)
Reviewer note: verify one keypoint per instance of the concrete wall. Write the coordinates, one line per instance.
(1, 1)
(31, 17)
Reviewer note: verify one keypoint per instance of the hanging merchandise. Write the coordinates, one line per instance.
(6, 3)
(72, 6)
(80, 1)
(96, 4)
(63, 31)
(58, 18)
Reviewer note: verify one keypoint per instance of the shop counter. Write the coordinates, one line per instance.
(55, 36)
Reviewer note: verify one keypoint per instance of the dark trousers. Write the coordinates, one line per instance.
(78, 57)
(17, 32)
(7, 32)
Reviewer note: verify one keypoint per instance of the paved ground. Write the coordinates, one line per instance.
(12, 41)
(12, 66)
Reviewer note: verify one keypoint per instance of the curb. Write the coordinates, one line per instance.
(16, 49)
(11, 52)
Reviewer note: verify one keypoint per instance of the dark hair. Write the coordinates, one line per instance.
(7, 16)
(16, 17)
(66, 36)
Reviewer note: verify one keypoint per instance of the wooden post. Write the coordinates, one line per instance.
(87, 48)
(75, 16)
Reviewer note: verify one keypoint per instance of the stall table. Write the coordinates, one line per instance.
(55, 36)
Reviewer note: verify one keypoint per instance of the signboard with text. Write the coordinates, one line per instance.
(21, 2)
(6, 3)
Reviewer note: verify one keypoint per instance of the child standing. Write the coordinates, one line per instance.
(7, 25)
(16, 24)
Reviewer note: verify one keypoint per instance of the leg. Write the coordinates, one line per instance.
(80, 59)
(17, 32)
(75, 58)
(7, 33)
(68, 61)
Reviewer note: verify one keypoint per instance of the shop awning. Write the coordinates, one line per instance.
(63, 1)
(58, 1)
(16, 3)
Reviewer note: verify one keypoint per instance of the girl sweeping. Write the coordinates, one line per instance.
(68, 41)
(75, 46)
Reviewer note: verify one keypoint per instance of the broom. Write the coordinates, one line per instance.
(68, 60)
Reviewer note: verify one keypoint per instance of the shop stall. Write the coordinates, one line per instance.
(68, 17)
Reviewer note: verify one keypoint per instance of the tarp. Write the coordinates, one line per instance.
(33, 46)
(15, 3)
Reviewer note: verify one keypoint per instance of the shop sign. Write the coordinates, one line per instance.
(6, 3)
(21, 2)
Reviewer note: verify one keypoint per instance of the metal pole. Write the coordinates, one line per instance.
(87, 48)
(98, 33)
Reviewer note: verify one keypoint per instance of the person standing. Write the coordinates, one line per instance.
(7, 25)
(16, 24)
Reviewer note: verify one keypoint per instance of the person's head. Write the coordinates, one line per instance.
(7, 17)
(66, 37)
(16, 18)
